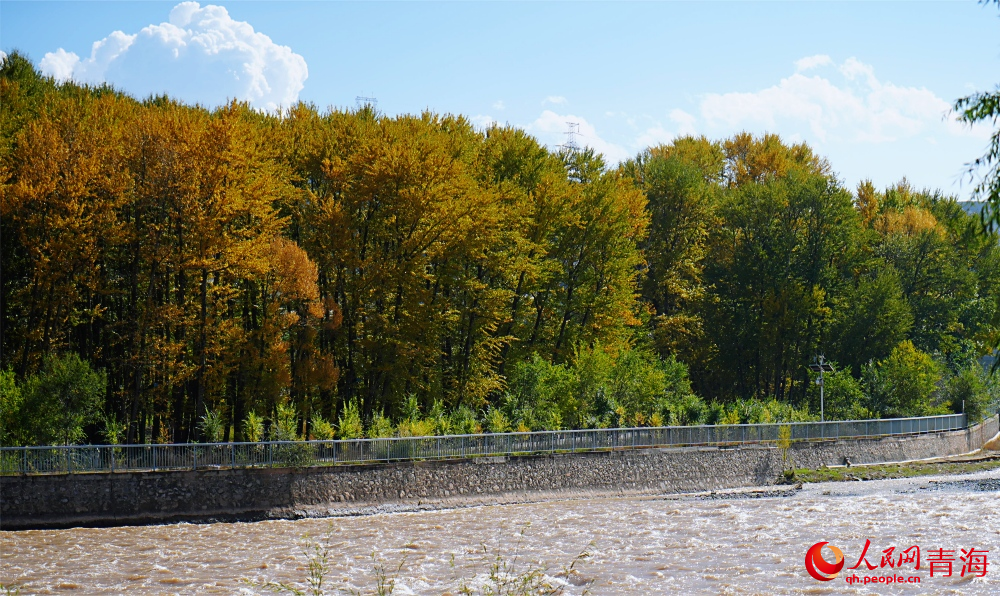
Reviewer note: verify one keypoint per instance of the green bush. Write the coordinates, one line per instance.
(253, 428)
(212, 427)
(349, 423)
(904, 384)
(601, 388)
(380, 427)
(59, 401)
(414, 425)
(463, 421)
(772, 411)
(114, 430)
(284, 425)
(843, 397)
(970, 386)
(320, 428)
(11, 400)
(496, 421)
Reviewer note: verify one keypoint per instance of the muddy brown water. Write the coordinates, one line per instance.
(722, 544)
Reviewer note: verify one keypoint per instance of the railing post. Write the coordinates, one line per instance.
(232, 453)
(194, 458)
(69, 461)
(112, 459)
(25, 452)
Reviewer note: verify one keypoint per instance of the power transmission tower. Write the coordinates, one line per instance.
(573, 129)
(363, 101)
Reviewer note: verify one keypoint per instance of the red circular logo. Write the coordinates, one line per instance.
(817, 566)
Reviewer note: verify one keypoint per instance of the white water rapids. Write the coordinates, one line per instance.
(721, 544)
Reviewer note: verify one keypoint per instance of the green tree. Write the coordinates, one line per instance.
(904, 384)
(968, 391)
(843, 397)
(61, 400)
(680, 181)
(870, 318)
(11, 410)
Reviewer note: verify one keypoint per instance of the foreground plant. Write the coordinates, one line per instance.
(510, 575)
(501, 573)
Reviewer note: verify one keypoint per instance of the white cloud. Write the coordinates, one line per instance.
(554, 99)
(483, 121)
(498, 105)
(653, 136)
(854, 107)
(59, 64)
(810, 62)
(551, 128)
(200, 55)
(684, 121)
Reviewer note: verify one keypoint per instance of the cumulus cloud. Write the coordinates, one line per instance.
(498, 105)
(848, 104)
(684, 121)
(810, 62)
(199, 55)
(551, 128)
(483, 121)
(653, 136)
(680, 124)
(554, 99)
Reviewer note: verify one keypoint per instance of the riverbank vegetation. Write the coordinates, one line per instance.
(172, 273)
(965, 465)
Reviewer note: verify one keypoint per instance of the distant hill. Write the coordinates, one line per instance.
(972, 207)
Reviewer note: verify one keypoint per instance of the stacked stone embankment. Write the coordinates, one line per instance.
(64, 500)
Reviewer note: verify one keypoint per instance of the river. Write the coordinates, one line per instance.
(716, 544)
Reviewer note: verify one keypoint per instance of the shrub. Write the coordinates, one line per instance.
(212, 427)
(349, 423)
(496, 421)
(320, 428)
(463, 421)
(969, 387)
(415, 428)
(253, 428)
(380, 427)
(60, 400)
(439, 417)
(11, 401)
(284, 426)
(114, 430)
(843, 398)
(414, 425)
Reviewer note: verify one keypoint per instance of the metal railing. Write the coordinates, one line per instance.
(193, 456)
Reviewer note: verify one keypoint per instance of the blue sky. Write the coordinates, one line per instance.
(867, 84)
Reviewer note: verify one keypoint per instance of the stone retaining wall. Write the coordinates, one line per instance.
(63, 500)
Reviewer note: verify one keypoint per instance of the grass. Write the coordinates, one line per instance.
(903, 470)
(502, 570)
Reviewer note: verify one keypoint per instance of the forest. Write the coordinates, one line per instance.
(172, 273)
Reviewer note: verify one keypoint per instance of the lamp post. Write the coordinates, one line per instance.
(821, 366)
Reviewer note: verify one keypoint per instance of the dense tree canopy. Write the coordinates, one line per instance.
(231, 274)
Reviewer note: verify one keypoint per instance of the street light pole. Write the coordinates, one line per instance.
(821, 366)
